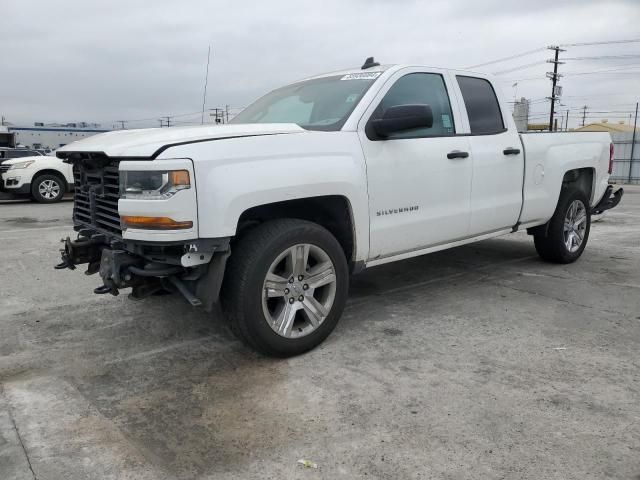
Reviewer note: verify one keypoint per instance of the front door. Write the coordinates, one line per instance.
(419, 180)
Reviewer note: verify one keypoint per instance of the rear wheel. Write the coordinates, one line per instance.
(285, 287)
(47, 188)
(568, 229)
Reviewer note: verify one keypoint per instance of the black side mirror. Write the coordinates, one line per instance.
(403, 117)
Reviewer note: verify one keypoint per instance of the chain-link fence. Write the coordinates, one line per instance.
(625, 168)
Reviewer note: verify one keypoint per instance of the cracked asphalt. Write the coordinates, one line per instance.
(477, 362)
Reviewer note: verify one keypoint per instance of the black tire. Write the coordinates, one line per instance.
(552, 247)
(242, 290)
(54, 180)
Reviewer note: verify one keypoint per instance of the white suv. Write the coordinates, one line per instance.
(44, 178)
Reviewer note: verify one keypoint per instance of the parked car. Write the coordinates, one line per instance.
(45, 178)
(321, 179)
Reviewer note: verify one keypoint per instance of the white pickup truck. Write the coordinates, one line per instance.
(318, 180)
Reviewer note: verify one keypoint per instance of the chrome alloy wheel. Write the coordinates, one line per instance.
(49, 189)
(575, 225)
(299, 290)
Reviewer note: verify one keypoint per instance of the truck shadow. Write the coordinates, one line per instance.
(418, 272)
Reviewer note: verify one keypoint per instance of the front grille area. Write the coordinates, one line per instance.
(95, 200)
(4, 168)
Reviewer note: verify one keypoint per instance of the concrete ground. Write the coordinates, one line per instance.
(478, 362)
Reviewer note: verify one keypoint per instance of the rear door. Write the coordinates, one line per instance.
(418, 189)
(498, 159)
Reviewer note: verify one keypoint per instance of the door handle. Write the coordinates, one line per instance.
(457, 154)
(511, 151)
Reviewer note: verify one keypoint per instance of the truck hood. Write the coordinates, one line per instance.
(148, 142)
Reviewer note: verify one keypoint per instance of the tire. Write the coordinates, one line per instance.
(554, 247)
(256, 307)
(48, 188)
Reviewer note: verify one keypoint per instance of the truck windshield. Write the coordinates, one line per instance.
(318, 104)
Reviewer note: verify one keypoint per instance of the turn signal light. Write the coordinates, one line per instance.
(179, 177)
(154, 223)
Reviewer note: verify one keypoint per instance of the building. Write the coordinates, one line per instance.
(521, 114)
(7, 139)
(605, 126)
(52, 136)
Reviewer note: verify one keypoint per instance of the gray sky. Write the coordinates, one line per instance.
(131, 60)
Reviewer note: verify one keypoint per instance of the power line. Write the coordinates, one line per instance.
(600, 73)
(608, 42)
(616, 68)
(605, 57)
(504, 59)
(536, 50)
(520, 67)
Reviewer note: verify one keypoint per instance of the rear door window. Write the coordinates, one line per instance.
(483, 110)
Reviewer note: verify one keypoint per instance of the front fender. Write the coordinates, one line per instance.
(234, 175)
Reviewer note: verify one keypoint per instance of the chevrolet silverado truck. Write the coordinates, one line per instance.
(319, 180)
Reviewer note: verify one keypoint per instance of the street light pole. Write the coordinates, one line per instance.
(633, 142)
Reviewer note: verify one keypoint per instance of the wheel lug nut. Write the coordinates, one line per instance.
(286, 291)
(300, 277)
(291, 300)
(301, 297)
(291, 280)
(305, 287)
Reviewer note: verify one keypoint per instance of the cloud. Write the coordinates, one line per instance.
(106, 61)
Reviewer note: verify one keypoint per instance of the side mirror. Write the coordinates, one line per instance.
(403, 117)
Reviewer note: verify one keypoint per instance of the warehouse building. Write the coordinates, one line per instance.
(52, 136)
(606, 126)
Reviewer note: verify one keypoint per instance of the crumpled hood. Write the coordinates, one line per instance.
(149, 142)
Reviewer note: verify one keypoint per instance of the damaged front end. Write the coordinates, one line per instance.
(150, 268)
(136, 224)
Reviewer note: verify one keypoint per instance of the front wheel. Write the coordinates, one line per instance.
(285, 287)
(568, 229)
(47, 188)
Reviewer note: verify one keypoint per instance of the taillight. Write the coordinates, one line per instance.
(611, 157)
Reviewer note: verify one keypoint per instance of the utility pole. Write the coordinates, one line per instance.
(554, 81)
(2, 121)
(121, 122)
(633, 142)
(168, 120)
(226, 107)
(566, 124)
(161, 123)
(584, 114)
(216, 114)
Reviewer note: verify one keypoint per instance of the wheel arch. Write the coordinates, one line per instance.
(333, 212)
(582, 179)
(51, 171)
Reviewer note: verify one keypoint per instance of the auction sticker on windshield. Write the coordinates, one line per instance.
(361, 76)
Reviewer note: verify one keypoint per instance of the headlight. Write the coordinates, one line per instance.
(153, 184)
(18, 165)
